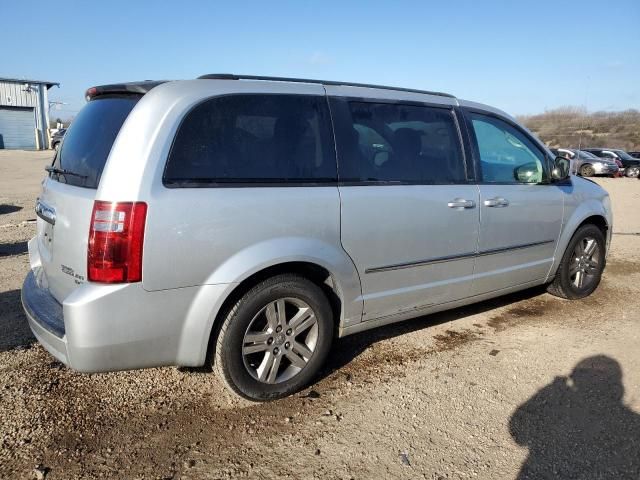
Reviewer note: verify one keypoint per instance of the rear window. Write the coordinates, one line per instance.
(89, 139)
(253, 139)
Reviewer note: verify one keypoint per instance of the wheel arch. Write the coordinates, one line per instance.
(588, 215)
(326, 265)
(314, 272)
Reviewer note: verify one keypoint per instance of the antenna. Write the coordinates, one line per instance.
(586, 97)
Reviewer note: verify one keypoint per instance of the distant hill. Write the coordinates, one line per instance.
(571, 127)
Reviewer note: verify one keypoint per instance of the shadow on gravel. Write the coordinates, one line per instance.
(347, 349)
(578, 427)
(14, 329)
(16, 248)
(9, 209)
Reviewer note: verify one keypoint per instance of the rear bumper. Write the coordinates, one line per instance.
(45, 318)
(102, 328)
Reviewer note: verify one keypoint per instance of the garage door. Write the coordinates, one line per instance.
(17, 128)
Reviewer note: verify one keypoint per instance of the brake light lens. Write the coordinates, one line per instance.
(116, 238)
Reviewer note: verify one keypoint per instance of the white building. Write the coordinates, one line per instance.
(24, 114)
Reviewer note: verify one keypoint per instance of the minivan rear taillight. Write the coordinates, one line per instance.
(115, 242)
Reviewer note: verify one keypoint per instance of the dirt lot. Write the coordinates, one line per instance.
(525, 385)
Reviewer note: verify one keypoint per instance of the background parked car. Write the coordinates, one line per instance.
(631, 165)
(635, 154)
(587, 164)
(56, 138)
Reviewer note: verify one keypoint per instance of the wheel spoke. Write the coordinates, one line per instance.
(592, 267)
(275, 366)
(295, 359)
(590, 248)
(579, 250)
(255, 342)
(282, 316)
(304, 319)
(272, 315)
(264, 369)
(256, 337)
(255, 348)
(574, 269)
(302, 349)
(579, 279)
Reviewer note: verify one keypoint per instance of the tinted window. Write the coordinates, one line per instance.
(506, 154)
(623, 155)
(88, 141)
(586, 155)
(254, 138)
(400, 143)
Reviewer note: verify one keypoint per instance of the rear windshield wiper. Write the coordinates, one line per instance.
(62, 171)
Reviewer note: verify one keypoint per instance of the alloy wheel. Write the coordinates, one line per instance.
(280, 340)
(632, 171)
(585, 264)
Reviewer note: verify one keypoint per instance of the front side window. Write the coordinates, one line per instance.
(506, 154)
(386, 142)
(254, 139)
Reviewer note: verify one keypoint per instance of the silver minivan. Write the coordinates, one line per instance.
(245, 222)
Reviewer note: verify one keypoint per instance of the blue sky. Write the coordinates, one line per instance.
(523, 57)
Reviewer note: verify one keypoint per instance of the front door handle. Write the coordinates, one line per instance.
(496, 202)
(461, 203)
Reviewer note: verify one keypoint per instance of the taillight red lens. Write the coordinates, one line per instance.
(115, 242)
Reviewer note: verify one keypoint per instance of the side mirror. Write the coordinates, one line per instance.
(527, 173)
(561, 169)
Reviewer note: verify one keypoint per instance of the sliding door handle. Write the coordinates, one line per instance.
(496, 202)
(461, 203)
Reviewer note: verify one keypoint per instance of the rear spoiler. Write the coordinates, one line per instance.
(139, 88)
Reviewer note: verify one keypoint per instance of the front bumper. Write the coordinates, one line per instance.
(605, 168)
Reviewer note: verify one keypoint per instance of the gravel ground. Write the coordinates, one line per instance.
(525, 386)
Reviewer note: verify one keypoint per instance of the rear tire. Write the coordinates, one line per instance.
(587, 171)
(581, 267)
(274, 339)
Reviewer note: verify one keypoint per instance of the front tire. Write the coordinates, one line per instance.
(632, 172)
(581, 266)
(587, 170)
(275, 338)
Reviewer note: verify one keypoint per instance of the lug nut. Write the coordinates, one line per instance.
(270, 341)
(289, 332)
(278, 329)
(287, 345)
(276, 351)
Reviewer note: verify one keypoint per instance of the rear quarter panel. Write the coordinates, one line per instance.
(212, 236)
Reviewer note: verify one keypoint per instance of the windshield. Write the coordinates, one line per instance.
(623, 155)
(89, 139)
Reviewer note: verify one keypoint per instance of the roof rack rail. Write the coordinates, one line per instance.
(231, 76)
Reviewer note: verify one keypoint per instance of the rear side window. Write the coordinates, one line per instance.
(88, 141)
(386, 142)
(253, 139)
